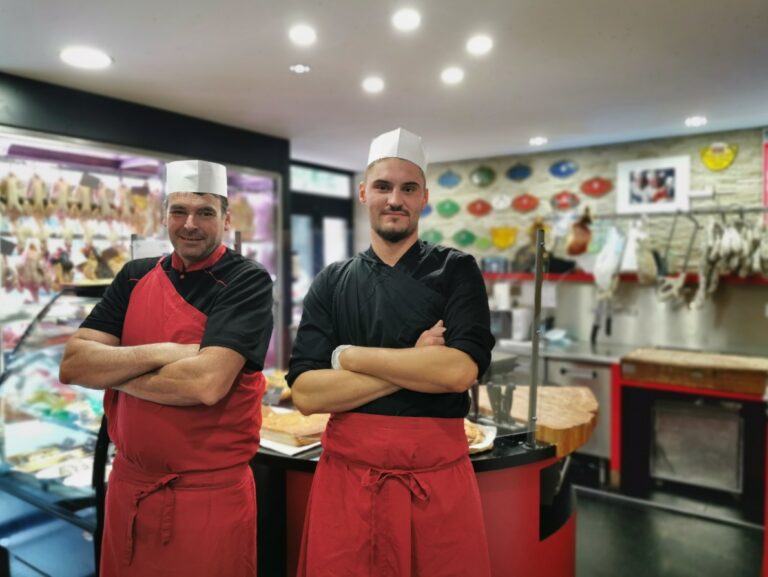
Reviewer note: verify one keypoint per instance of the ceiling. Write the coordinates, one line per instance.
(579, 72)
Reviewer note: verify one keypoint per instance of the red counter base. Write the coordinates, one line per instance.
(511, 508)
(510, 500)
(765, 532)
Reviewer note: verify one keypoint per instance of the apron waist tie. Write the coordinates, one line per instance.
(148, 483)
(374, 479)
(166, 519)
(386, 536)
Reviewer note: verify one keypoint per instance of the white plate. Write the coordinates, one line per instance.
(289, 450)
(487, 443)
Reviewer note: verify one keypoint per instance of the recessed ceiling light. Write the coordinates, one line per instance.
(302, 35)
(538, 141)
(300, 68)
(695, 121)
(452, 75)
(373, 84)
(479, 45)
(85, 57)
(406, 19)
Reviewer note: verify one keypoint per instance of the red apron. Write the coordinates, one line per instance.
(394, 497)
(181, 497)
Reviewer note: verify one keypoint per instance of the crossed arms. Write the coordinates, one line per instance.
(370, 373)
(165, 373)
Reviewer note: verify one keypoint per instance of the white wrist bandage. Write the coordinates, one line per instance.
(336, 356)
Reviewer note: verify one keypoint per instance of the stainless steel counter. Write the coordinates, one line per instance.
(602, 353)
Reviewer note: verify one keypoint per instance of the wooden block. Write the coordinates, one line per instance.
(566, 415)
(697, 369)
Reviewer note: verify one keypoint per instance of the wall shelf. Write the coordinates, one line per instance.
(583, 277)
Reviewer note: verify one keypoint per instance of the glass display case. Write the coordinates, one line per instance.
(48, 431)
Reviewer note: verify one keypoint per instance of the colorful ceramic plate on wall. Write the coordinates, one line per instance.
(500, 201)
(483, 243)
(719, 155)
(596, 186)
(525, 203)
(479, 207)
(447, 208)
(482, 176)
(427, 210)
(564, 200)
(464, 237)
(432, 235)
(563, 168)
(449, 179)
(519, 172)
(503, 237)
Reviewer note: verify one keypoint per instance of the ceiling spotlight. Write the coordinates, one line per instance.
(695, 121)
(85, 57)
(452, 75)
(406, 19)
(538, 141)
(373, 84)
(479, 45)
(302, 35)
(300, 68)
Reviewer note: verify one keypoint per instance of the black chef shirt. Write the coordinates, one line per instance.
(364, 302)
(235, 294)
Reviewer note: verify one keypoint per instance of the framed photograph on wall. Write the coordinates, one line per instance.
(653, 185)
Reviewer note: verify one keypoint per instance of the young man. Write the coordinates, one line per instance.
(389, 343)
(179, 344)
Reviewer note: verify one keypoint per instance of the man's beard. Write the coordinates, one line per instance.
(391, 235)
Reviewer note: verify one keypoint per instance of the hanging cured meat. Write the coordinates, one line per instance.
(37, 196)
(596, 186)
(564, 200)
(525, 203)
(578, 238)
(479, 207)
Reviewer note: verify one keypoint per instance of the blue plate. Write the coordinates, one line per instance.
(519, 172)
(427, 210)
(564, 169)
(449, 179)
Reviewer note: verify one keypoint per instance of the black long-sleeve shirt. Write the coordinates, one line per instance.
(364, 302)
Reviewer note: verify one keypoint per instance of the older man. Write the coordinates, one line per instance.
(179, 344)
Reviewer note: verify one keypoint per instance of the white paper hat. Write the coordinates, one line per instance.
(398, 143)
(196, 176)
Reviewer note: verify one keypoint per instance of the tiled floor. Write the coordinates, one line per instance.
(623, 539)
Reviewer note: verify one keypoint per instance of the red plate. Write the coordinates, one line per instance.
(525, 203)
(479, 207)
(565, 200)
(596, 186)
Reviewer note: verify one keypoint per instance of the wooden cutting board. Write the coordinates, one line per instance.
(566, 415)
(697, 369)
